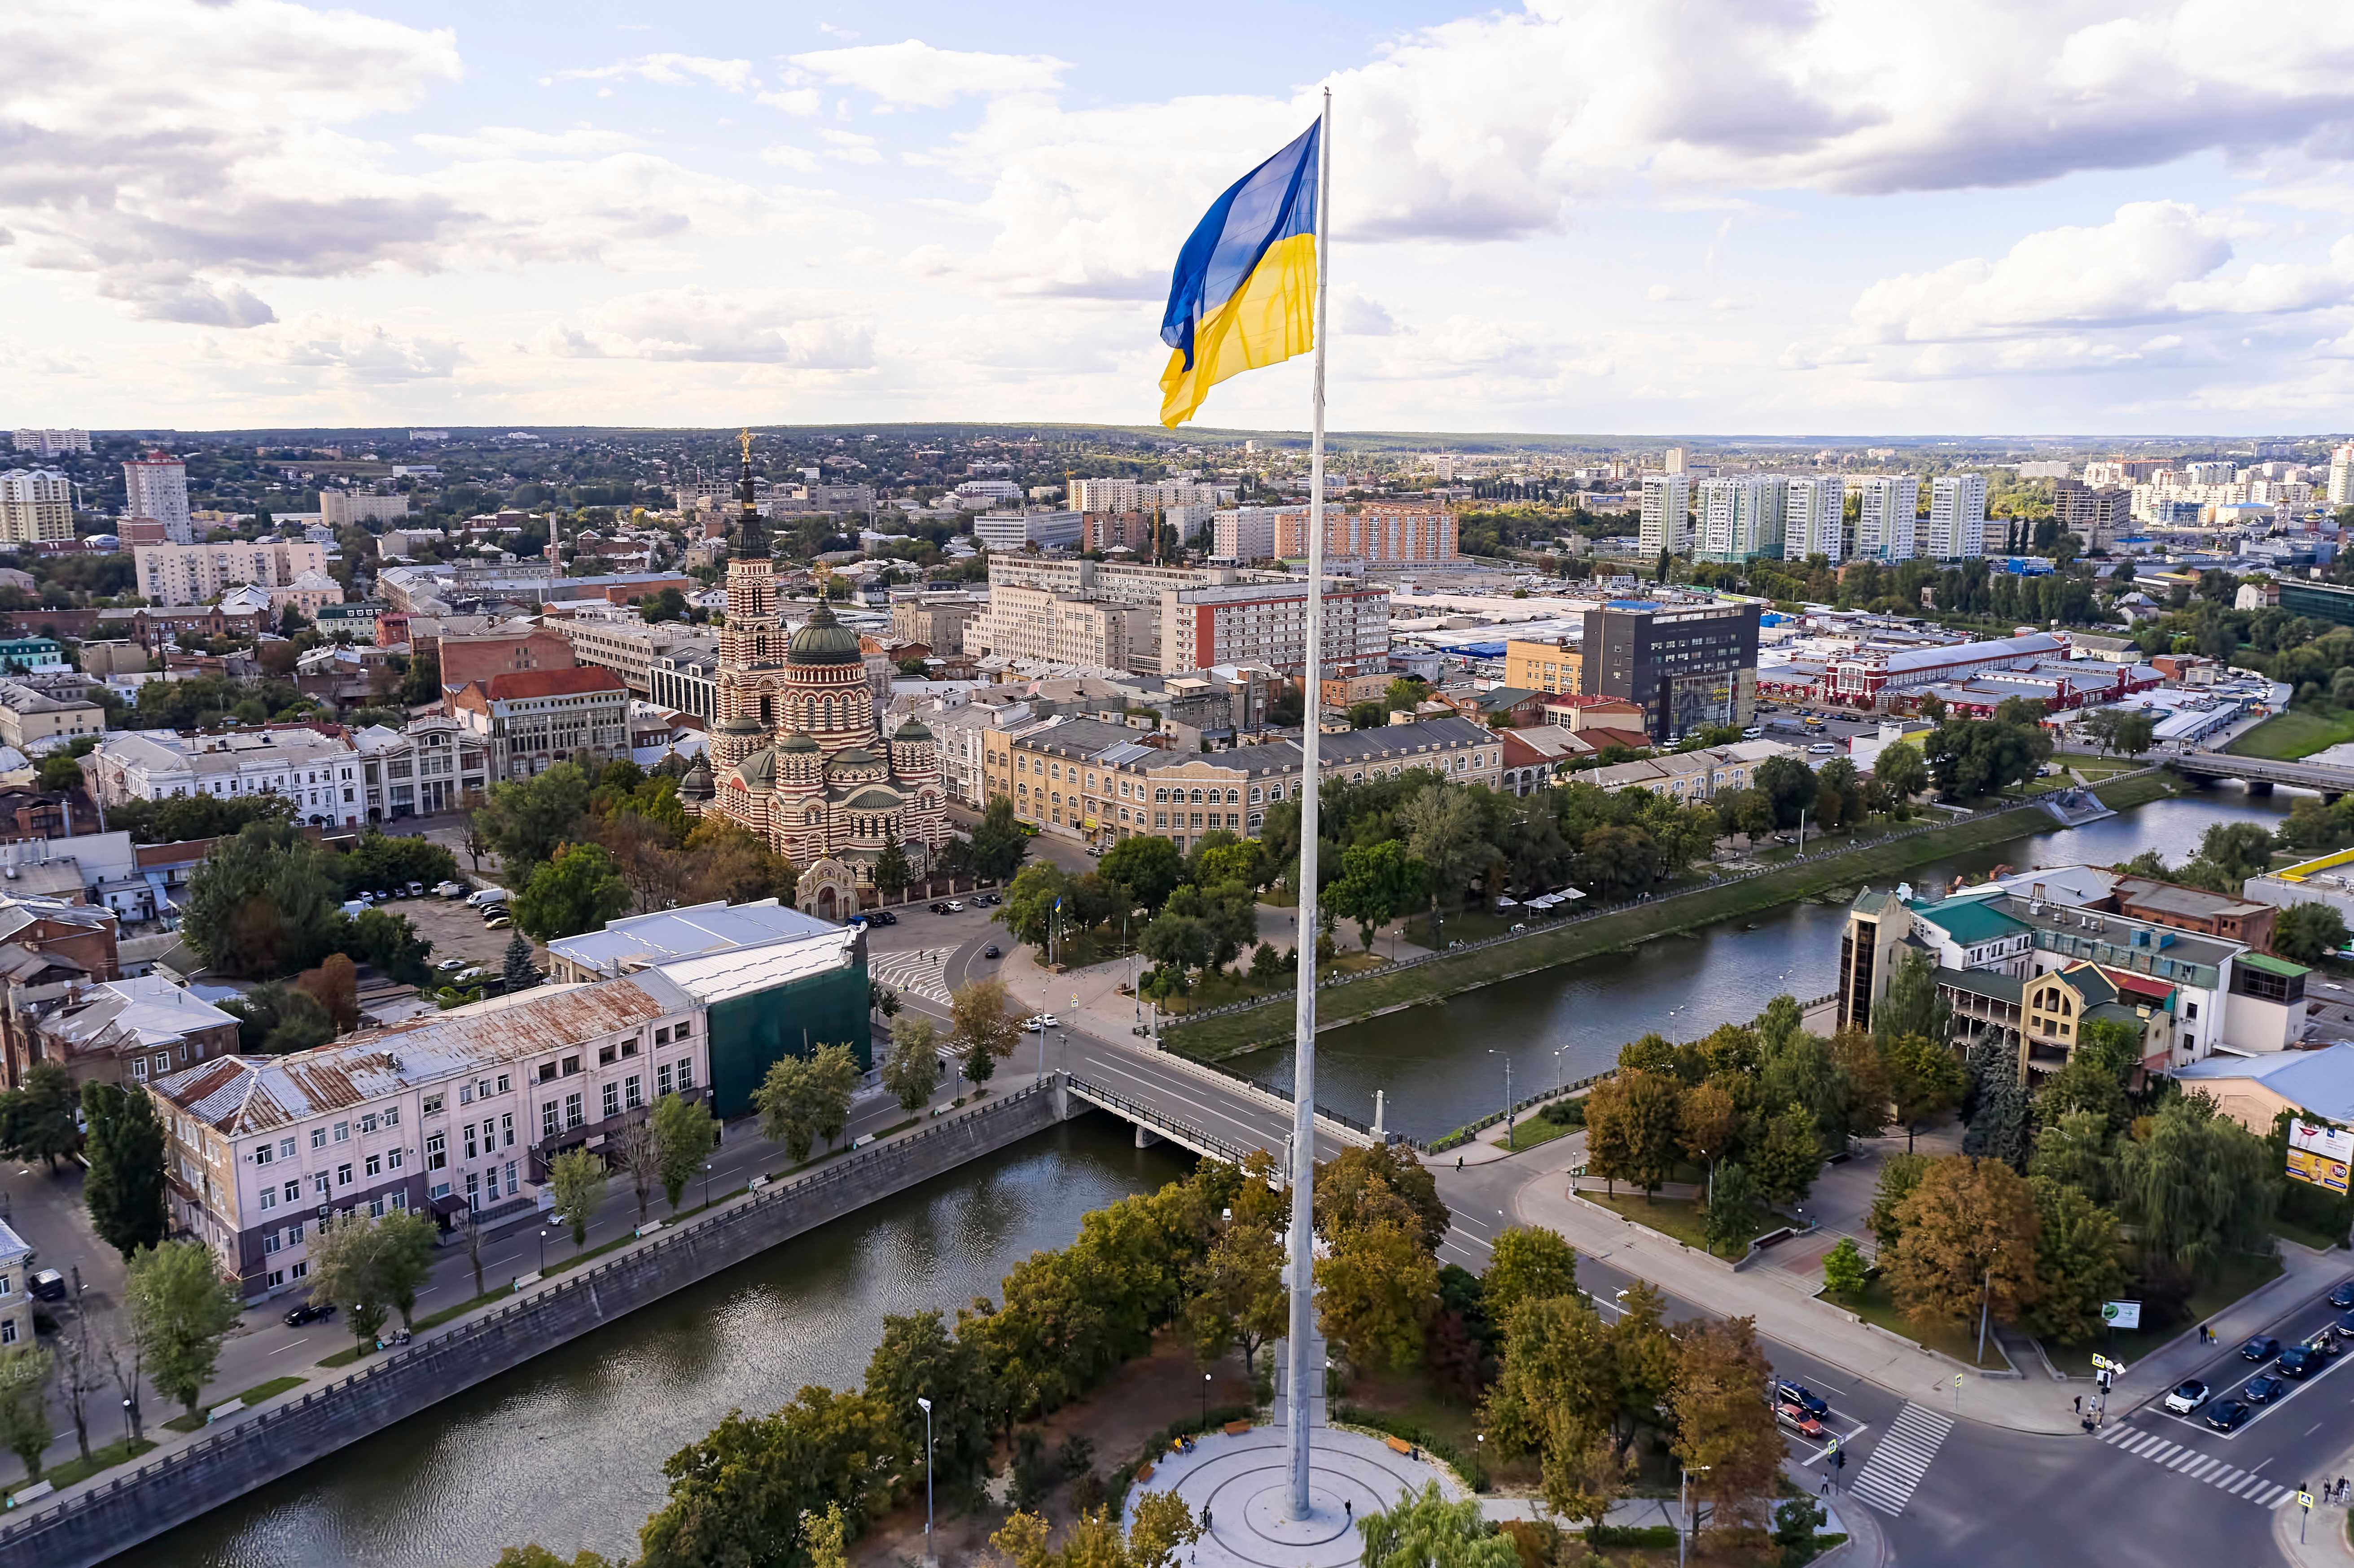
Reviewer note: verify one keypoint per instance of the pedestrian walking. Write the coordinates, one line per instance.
(2080, 1405)
(1827, 1483)
(1350, 1505)
(1459, 1162)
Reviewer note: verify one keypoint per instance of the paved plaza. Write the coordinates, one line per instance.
(1241, 1485)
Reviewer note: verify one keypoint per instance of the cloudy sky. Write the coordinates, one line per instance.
(1637, 216)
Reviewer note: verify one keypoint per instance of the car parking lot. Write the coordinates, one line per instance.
(456, 931)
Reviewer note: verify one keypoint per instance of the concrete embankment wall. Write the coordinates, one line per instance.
(249, 1451)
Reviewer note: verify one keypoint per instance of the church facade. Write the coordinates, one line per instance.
(796, 757)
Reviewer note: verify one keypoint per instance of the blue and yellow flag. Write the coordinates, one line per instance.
(1244, 294)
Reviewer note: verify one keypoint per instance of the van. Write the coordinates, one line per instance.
(356, 907)
(482, 896)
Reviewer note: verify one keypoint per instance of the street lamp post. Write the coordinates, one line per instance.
(543, 1250)
(1507, 1056)
(1205, 1402)
(929, 1554)
(1683, 1531)
(1556, 1068)
(706, 1184)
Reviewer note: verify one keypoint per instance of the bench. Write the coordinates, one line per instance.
(1237, 1428)
(1398, 1444)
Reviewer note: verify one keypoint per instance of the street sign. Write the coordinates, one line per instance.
(1958, 1380)
(2305, 1500)
(2121, 1314)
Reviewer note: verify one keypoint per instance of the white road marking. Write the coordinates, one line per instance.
(1901, 1458)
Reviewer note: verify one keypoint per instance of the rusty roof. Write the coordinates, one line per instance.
(241, 1095)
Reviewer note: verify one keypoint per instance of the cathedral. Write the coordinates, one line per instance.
(796, 755)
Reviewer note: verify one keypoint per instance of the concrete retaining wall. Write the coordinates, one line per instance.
(92, 1526)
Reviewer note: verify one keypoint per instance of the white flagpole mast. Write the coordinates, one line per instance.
(1304, 1378)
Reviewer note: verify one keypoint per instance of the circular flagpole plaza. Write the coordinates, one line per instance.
(1241, 1484)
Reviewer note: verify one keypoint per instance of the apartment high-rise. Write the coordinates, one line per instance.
(36, 506)
(2341, 476)
(1243, 535)
(344, 508)
(194, 574)
(1667, 514)
(157, 486)
(1386, 532)
(1886, 529)
(1740, 517)
(2098, 515)
(1101, 495)
(1267, 623)
(52, 444)
(1958, 517)
(1814, 518)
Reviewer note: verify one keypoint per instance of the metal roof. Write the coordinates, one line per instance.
(744, 971)
(667, 934)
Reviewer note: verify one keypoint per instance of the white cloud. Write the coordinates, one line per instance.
(789, 157)
(742, 326)
(803, 101)
(672, 70)
(850, 146)
(916, 75)
(343, 347)
(514, 142)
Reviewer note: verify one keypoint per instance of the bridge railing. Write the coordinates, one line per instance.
(1181, 1131)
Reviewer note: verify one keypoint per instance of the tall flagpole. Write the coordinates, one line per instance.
(1304, 1378)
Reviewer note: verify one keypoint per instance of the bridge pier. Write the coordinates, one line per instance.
(2260, 786)
(1145, 1140)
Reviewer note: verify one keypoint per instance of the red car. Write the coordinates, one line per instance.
(1794, 1415)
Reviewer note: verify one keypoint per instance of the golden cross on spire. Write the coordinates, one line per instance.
(745, 440)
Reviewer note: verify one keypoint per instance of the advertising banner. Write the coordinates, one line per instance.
(2319, 1155)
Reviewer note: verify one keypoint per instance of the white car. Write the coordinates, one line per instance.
(1037, 1022)
(2188, 1396)
(449, 890)
(1822, 748)
(956, 906)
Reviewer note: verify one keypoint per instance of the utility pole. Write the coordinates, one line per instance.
(1492, 1051)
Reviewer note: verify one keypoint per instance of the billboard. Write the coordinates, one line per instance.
(2319, 1155)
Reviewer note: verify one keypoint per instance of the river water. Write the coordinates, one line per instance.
(567, 1451)
(1443, 1066)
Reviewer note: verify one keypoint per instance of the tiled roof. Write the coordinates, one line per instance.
(523, 683)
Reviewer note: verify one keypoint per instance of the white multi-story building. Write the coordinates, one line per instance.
(987, 491)
(1102, 495)
(1814, 518)
(1243, 535)
(1667, 514)
(36, 506)
(1012, 531)
(341, 508)
(196, 574)
(1026, 622)
(2341, 475)
(156, 486)
(1958, 517)
(1887, 525)
(1741, 518)
(1267, 623)
(2210, 474)
(52, 444)
(533, 719)
(311, 769)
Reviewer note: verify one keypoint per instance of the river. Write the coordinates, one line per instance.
(567, 1451)
(1444, 1066)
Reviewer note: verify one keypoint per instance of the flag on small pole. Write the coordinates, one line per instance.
(1249, 290)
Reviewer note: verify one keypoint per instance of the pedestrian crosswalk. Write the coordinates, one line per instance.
(1901, 1458)
(2184, 1460)
(919, 970)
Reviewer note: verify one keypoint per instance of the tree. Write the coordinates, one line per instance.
(891, 871)
(1377, 1289)
(982, 1028)
(2196, 1188)
(1631, 1127)
(684, 1133)
(1899, 1175)
(1526, 1263)
(368, 1267)
(1925, 1080)
(1788, 785)
(274, 1019)
(2074, 1150)
(1236, 1294)
(2308, 932)
(36, 1121)
(1787, 1159)
(1725, 1433)
(1367, 714)
(537, 1556)
(1843, 1271)
(1361, 1187)
(738, 1494)
(335, 985)
(640, 1157)
(1379, 883)
(912, 1070)
(724, 862)
(1734, 1209)
(125, 1189)
(1706, 1120)
(1913, 1005)
(577, 1180)
(578, 891)
(24, 1424)
(526, 821)
(804, 1098)
(998, 844)
(2078, 1263)
(262, 904)
(1443, 830)
(1425, 1531)
(1969, 1233)
(516, 970)
(917, 1357)
(1900, 767)
(181, 1309)
(1146, 866)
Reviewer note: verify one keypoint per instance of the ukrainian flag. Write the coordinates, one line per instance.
(1244, 294)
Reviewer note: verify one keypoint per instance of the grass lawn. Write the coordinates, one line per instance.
(2299, 731)
(2305, 1235)
(2244, 1273)
(1236, 985)
(1875, 1304)
(1533, 1129)
(1676, 1217)
(250, 1397)
(80, 1469)
(1704, 904)
(2095, 767)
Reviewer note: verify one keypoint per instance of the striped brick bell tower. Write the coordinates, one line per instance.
(751, 644)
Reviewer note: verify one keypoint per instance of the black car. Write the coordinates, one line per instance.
(1802, 1396)
(2263, 1348)
(985, 900)
(2346, 1325)
(2227, 1415)
(991, 951)
(2264, 1389)
(938, 907)
(2343, 1297)
(310, 1312)
(48, 1285)
(2300, 1362)
(881, 917)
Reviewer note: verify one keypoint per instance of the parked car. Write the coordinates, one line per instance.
(881, 917)
(2229, 1416)
(1822, 748)
(497, 923)
(2187, 1396)
(986, 900)
(482, 896)
(451, 966)
(956, 907)
(991, 951)
(416, 890)
(47, 1285)
(449, 890)
(2263, 1388)
(310, 1312)
(2342, 1297)
(2346, 1325)
(1799, 1394)
(938, 906)
(2263, 1348)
